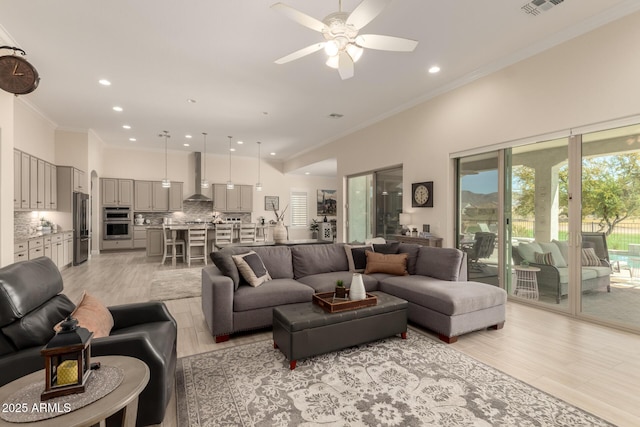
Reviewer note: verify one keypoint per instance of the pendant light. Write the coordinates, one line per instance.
(259, 184)
(165, 182)
(204, 183)
(230, 183)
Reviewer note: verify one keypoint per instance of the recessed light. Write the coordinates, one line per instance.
(104, 82)
(126, 127)
(191, 101)
(118, 109)
(240, 142)
(336, 116)
(307, 173)
(188, 136)
(232, 149)
(132, 139)
(273, 154)
(185, 144)
(435, 69)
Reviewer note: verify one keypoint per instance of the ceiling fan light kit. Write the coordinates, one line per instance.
(343, 45)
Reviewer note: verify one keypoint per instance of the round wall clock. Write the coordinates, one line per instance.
(422, 194)
(17, 75)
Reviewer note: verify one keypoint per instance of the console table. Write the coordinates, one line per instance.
(435, 242)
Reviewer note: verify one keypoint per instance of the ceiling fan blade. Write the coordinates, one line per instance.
(378, 42)
(299, 17)
(366, 12)
(345, 68)
(300, 53)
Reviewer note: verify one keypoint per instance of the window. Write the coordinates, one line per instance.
(299, 215)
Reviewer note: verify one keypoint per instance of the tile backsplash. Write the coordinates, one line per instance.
(192, 211)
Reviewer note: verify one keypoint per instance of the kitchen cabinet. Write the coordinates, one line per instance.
(53, 188)
(239, 199)
(57, 250)
(40, 185)
(154, 242)
(149, 196)
(20, 251)
(116, 244)
(117, 192)
(25, 180)
(139, 236)
(33, 183)
(67, 249)
(36, 248)
(79, 181)
(175, 197)
(142, 196)
(17, 179)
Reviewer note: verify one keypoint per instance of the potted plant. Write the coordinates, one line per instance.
(314, 227)
(341, 291)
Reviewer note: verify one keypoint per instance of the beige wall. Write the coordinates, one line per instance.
(31, 130)
(6, 177)
(590, 79)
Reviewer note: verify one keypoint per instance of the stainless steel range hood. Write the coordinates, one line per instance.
(198, 196)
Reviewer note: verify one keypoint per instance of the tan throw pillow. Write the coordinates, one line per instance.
(386, 263)
(252, 268)
(91, 314)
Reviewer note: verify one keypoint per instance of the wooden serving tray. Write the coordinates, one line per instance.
(327, 302)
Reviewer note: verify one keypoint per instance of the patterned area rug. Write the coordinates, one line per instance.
(176, 284)
(392, 382)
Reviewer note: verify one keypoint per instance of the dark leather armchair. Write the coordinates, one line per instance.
(483, 246)
(31, 304)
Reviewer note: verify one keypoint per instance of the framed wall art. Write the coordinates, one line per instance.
(327, 203)
(271, 203)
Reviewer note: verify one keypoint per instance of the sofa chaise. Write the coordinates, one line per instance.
(439, 297)
(31, 304)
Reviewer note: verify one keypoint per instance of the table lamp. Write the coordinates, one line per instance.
(405, 220)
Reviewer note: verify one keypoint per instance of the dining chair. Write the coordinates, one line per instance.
(197, 239)
(247, 232)
(223, 233)
(171, 244)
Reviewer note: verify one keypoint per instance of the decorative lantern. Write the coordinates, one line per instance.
(67, 363)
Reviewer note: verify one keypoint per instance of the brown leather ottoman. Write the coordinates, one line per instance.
(305, 329)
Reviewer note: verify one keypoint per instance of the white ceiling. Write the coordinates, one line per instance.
(159, 53)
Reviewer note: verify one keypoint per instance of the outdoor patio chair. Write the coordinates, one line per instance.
(482, 247)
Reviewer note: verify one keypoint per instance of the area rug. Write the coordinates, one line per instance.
(176, 284)
(392, 382)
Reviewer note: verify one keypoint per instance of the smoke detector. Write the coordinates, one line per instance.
(536, 7)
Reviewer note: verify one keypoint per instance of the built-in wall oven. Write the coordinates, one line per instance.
(117, 223)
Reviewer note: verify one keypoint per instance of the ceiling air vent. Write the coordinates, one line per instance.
(536, 7)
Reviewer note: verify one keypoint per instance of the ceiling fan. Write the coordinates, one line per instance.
(343, 45)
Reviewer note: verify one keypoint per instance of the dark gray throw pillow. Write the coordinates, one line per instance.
(252, 268)
(387, 248)
(359, 258)
(222, 259)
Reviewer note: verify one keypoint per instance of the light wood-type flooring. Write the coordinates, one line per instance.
(593, 367)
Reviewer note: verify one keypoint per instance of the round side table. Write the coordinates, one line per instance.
(526, 282)
(120, 406)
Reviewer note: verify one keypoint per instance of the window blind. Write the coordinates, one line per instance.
(299, 216)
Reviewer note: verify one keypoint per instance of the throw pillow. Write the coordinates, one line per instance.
(558, 258)
(356, 257)
(222, 259)
(91, 314)
(590, 258)
(395, 264)
(544, 258)
(387, 248)
(252, 268)
(527, 251)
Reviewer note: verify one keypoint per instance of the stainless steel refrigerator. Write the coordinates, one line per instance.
(80, 228)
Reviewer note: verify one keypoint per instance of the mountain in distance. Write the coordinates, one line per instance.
(478, 200)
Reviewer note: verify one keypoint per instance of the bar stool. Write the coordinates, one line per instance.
(247, 233)
(196, 238)
(223, 233)
(170, 241)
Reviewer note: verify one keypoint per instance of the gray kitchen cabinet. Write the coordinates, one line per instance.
(175, 197)
(40, 185)
(117, 192)
(154, 242)
(139, 236)
(33, 183)
(117, 244)
(239, 199)
(142, 196)
(160, 197)
(25, 181)
(79, 181)
(17, 179)
(53, 193)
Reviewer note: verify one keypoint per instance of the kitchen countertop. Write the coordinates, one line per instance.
(19, 238)
(185, 226)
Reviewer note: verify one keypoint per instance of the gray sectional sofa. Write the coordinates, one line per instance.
(440, 298)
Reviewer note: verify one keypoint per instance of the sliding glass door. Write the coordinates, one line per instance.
(374, 204)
